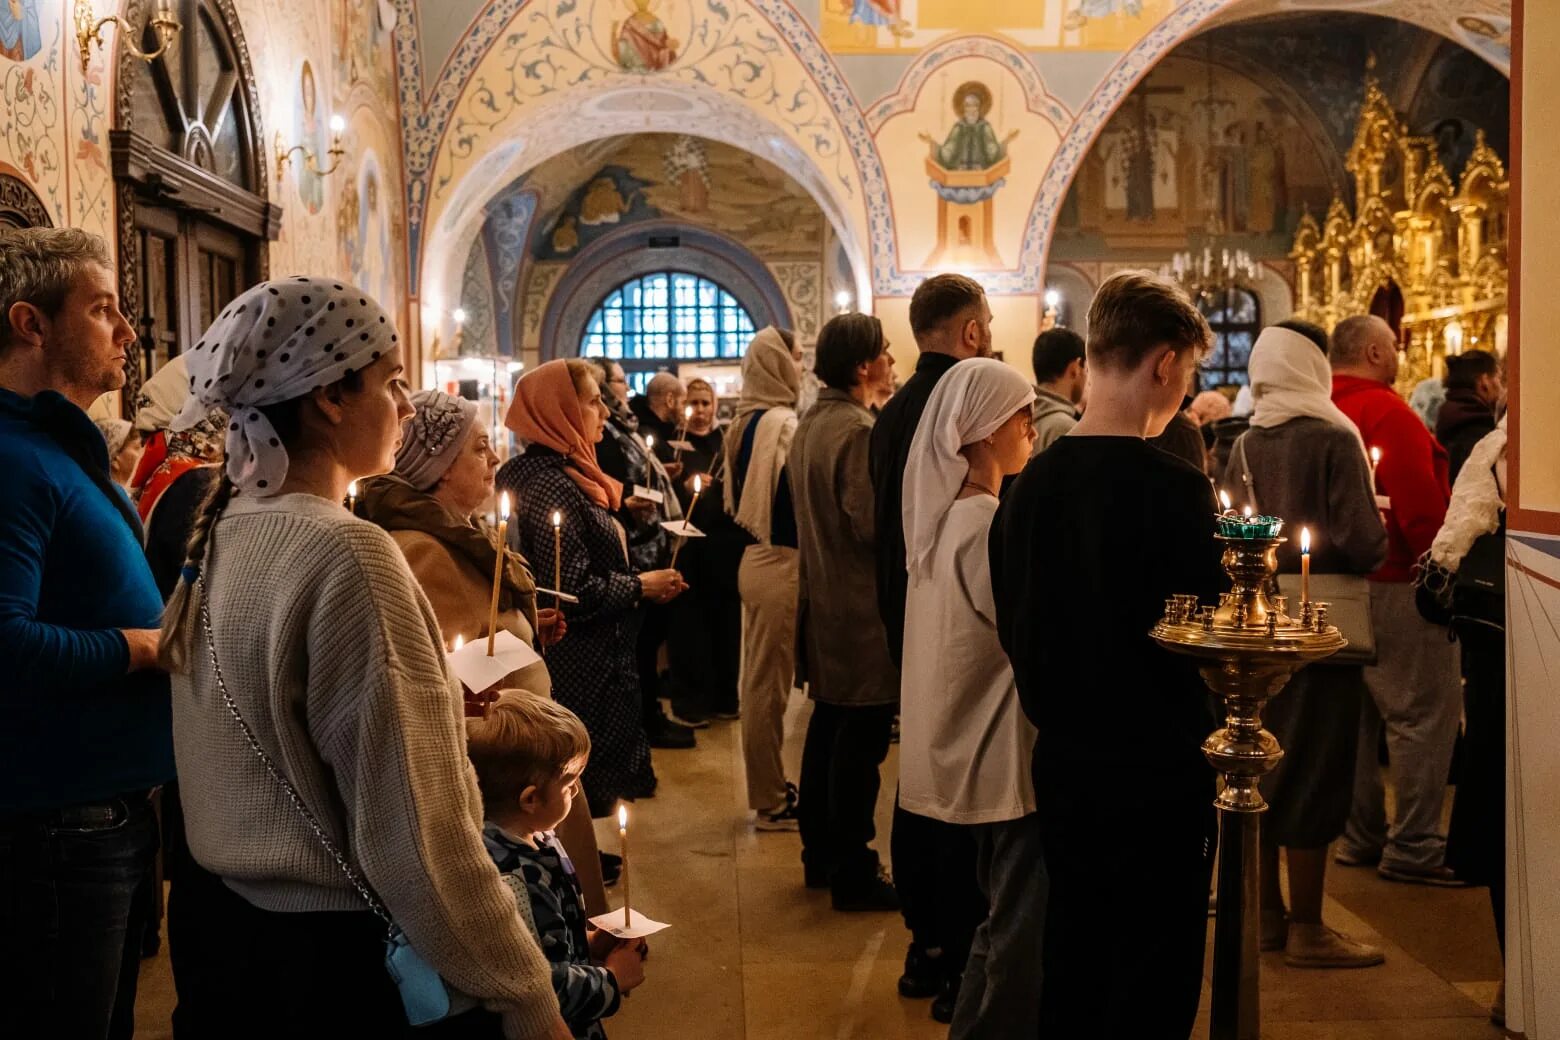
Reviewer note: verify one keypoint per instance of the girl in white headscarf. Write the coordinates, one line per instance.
(318, 730)
(965, 744)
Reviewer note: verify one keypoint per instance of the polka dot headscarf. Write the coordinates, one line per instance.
(278, 341)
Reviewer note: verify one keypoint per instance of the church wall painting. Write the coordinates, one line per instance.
(906, 26)
(309, 130)
(965, 145)
(1174, 161)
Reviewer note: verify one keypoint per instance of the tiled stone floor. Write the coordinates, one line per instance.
(754, 956)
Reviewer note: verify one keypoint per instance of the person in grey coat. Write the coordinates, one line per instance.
(1303, 460)
(844, 647)
(1061, 377)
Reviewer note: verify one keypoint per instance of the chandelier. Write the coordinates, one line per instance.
(1214, 274)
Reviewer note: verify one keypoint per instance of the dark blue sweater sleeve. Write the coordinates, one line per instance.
(42, 656)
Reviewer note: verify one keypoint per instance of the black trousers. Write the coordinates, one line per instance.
(1127, 914)
(250, 973)
(939, 894)
(705, 640)
(654, 622)
(839, 790)
(1476, 838)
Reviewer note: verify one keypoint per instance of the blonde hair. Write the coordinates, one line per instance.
(523, 741)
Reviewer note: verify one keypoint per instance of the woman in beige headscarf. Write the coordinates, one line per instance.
(758, 495)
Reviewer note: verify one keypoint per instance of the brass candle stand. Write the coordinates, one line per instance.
(1250, 646)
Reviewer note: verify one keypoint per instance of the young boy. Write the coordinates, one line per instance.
(1095, 534)
(529, 752)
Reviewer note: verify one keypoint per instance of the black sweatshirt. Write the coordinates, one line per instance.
(1092, 538)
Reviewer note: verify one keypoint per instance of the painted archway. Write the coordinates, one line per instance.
(587, 114)
(1449, 18)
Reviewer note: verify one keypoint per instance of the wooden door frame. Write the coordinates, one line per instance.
(147, 173)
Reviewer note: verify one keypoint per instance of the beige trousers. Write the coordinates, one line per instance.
(768, 583)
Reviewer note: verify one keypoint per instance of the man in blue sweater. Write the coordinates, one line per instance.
(85, 730)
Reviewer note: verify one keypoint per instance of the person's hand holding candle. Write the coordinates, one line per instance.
(552, 626)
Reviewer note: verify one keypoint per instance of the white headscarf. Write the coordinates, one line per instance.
(1290, 379)
(162, 396)
(278, 341)
(969, 404)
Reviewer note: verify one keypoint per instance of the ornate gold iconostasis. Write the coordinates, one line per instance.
(1427, 255)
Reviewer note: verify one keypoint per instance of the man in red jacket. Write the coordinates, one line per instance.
(1414, 685)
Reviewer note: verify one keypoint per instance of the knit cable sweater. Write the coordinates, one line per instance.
(333, 656)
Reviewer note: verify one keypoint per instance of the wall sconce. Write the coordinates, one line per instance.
(88, 32)
(335, 151)
(1048, 317)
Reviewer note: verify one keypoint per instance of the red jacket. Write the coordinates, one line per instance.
(1412, 473)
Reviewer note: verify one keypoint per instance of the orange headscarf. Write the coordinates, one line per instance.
(546, 411)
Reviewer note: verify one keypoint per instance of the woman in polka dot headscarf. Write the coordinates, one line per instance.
(305, 620)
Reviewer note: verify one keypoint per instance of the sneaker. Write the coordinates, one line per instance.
(1273, 931)
(688, 715)
(662, 732)
(1436, 877)
(924, 974)
(1347, 857)
(1318, 946)
(947, 1000)
(785, 818)
(875, 895)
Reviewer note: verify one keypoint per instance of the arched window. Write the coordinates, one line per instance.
(654, 321)
(1235, 316)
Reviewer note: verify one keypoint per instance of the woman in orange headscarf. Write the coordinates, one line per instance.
(559, 414)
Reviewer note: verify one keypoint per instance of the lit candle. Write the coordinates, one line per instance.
(1375, 460)
(628, 921)
(352, 497)
(1246, 512)
(557, 519)
(498, 570)
(698, 489)
(1305, 566)
(1224, 500)
(460, 641)
(650, 442)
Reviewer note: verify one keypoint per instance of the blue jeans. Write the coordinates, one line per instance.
(71, 946)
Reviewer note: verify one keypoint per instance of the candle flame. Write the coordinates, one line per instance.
(688, 412)
(460, 641)
(1246, 512)
(1305, 539)
(650, 440)
(503, 506)
(1224, 499)
(622, 817)
(557, 518)
(698, 485)
(352, 490)
(1375, 456)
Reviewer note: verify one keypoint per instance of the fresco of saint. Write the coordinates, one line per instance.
(643, 44)
(880, 12)
(972, 143)
(311, 133)
(20, 35)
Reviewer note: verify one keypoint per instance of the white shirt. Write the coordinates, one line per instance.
(965, 744)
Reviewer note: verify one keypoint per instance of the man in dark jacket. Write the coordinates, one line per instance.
(934, 862)
(1474, 392)
(86, 734)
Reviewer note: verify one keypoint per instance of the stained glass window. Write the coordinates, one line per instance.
(1235, 317)
(652, 322)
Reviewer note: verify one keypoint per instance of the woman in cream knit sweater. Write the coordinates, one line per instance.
(305, 621)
